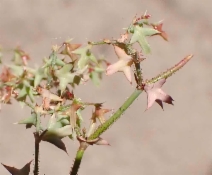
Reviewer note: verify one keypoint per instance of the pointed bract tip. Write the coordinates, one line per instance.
(189, 56)
(102, 142)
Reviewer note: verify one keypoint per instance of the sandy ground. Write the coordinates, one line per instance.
(176, 141)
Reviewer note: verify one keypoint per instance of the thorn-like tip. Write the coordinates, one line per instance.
(190, 56)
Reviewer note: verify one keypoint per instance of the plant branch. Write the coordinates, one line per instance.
(37, 142)
(78, 158)
(101, 42)
(138, 72)
(29, 105)
(170, 71)
(102, 128)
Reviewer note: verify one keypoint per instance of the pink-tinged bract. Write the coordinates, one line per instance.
(123, 65)
(156, 94)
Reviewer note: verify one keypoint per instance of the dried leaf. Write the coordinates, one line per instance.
(162, 33)
(72, 113)
(67, 49)
(99, 114)
(123, 38)
(48, 97)
(6, 75)
(97, 141)
(102, 142)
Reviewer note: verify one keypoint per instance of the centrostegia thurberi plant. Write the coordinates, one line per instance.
(49, 90)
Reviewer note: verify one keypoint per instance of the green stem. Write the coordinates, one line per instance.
(29, 105)
(170, 71)
(78, 158)
(37, 122)
(102, 128)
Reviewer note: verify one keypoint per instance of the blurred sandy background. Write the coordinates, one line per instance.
(176, 141)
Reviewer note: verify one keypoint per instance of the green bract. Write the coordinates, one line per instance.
(85, 56)
(140, 34)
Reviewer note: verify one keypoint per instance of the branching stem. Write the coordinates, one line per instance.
(78, 158)
(102, 128)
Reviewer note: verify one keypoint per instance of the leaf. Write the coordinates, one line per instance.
(30, 93)
(16, 70)
(20, 57)
(65, 76)
(22, 94)
(72, 113)
(54, 136)
(57, 121)
(97, 114)
(139, 36)
(67, 49)
(39, 75)
(101, 141)
(162, 33)
(33, 119)
(97, 141)
(48, 97)
(6, 75)
(85, 56)
(95, 78)
(25, 91)
(56, 131)
(95, 75)
(56, 141)
(29, 121)
(6, 94)
(155, 93)
(23, 171)
(53, 60)
(123, 65)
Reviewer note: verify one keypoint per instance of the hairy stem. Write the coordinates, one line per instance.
(102, 128)
(170, 71)
(78, 158)
(102, 42)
